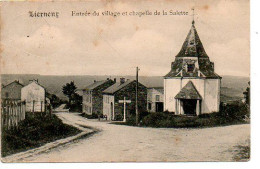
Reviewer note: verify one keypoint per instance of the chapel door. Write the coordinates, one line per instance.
(189, 106)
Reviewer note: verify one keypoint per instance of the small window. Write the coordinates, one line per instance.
(190, 67)
(157, 98)
(192, 42)
(6, 94)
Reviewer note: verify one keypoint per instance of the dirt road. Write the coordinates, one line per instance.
(125, 143)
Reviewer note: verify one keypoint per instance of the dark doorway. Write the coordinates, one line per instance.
(159, 106)
(111, 111)
(189, 106)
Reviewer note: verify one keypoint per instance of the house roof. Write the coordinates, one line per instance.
(117, 86)
(159, 89)
(14, 82)
(155, 87)
(36, 82)
(79, 92)
(189, 91)
(95, 84)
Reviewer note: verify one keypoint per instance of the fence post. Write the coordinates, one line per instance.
(41, 106)
(16, 114)
(12, 112)
(33, 107)
(9, 116)
(24, 109)
(2, 116)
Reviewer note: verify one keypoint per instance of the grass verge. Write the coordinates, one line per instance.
(34, 132)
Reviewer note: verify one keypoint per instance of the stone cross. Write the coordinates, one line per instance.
(124, 101)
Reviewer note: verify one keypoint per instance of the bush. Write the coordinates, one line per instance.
(234, 111)
(143, 114)
(92, 116)
(118, 117)
(33, 132)
(154, 119)
(229, 114)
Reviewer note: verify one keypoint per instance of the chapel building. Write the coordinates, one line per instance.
(192, 87)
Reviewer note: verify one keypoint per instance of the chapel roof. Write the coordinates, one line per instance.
(192, 51)
(192, 46)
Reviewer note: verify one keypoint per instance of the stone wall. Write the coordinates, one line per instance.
(97, 97)
(130, 94)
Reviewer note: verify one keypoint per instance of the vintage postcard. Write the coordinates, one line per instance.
(125, 81)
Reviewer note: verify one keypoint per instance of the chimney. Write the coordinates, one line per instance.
(115, 80)
(122, 81)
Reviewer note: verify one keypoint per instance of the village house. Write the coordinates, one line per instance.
(155, 99)
(125, 89)
(35, 96)
(192, 87)
(92, 99)
(12, 91)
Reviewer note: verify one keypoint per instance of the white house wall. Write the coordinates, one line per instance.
(33, 92)
(107, 100)
(151, 98)
(212, 95)
(171, 89)
(87, 103)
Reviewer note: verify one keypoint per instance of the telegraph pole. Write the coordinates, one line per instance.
(136, 97)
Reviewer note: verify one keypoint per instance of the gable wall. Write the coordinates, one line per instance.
(151, 98)
(107, 100)
(97, 97)
(33, 93)
(12, 91)
(129, 92)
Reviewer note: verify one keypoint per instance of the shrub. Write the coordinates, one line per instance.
(92, 116)
(153, 119)
(233, 113)
(118, 117)
(143, 114)
(229, 114)
(34, 131)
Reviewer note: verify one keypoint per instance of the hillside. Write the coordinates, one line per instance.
(232, 86)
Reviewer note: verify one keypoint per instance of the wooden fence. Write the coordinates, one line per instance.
(12, 112)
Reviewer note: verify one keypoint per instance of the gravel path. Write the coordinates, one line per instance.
(117, 143)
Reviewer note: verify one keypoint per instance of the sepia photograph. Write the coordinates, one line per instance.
(125, 81)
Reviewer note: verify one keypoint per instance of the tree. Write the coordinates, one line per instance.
(76, 103)
(247, 94)
(69, 90)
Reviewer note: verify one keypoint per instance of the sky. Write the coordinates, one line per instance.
(106, 45)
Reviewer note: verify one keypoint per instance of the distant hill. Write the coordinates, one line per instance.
(232, 86)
